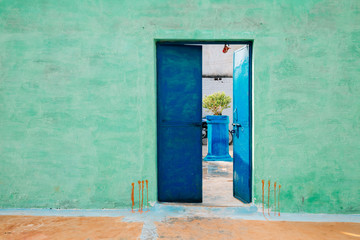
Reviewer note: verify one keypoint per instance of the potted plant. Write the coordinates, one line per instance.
(218, 127)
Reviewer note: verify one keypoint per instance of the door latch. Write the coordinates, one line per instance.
(236, 125)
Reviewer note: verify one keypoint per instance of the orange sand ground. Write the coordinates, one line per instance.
(39, 228)
(220, 228)
(91, 228)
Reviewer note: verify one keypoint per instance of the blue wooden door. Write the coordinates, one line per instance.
(242, 125)
(179, 104)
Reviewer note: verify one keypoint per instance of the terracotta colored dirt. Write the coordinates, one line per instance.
(39, 228)
(204, 228)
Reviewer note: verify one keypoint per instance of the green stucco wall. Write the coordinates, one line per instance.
(78, 99)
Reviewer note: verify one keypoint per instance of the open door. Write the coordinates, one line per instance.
(242, 125)
(179, 108)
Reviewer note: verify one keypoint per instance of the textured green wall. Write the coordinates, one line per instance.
(78, 102)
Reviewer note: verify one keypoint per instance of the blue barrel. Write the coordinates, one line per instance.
(218, 138)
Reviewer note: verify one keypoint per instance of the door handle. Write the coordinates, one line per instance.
(236, 128)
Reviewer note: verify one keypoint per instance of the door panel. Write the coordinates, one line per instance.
(242, 125)
(179, 105)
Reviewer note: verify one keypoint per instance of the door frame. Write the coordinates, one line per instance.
(249, 42)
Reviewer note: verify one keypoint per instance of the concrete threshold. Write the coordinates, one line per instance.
(165, 210)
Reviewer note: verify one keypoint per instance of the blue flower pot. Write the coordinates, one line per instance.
(218, 138)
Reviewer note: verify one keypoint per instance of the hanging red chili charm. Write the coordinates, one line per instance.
(226, 48)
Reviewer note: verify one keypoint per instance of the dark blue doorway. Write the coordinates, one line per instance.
(179, 109)
(179, 105)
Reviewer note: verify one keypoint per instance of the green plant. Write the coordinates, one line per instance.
(217, 102)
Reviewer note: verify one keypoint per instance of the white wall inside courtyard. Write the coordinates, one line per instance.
(218, 64)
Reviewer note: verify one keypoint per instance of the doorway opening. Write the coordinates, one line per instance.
(217, 77)
(186, 73)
